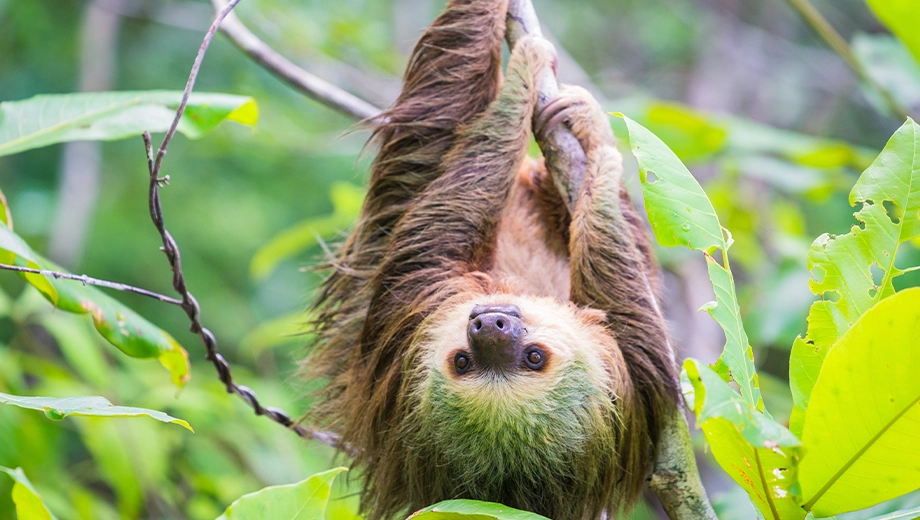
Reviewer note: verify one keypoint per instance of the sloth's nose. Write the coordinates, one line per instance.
(493, 337)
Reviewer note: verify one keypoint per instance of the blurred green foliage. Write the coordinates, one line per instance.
(777, 135)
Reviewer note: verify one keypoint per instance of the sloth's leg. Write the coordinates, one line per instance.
(613, 270)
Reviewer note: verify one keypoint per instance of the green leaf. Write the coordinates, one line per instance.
(682, 215)
(902, 17)
(57, 408)
(118, 324)
(54, 118)
(473, 510)
(304, 500)
(861, 434)
(346, 202)
(757, 452)
(842, 265)
(29, 504)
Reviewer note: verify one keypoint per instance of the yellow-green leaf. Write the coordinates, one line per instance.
(903, 18)
(862, 425)
(29, 504)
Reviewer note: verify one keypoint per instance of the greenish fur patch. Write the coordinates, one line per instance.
(526, 449)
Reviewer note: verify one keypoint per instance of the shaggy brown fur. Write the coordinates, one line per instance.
(455, 217)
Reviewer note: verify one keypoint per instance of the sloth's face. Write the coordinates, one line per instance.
(505, 384)
(506, 350)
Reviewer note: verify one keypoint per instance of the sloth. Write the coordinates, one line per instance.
(490, 328)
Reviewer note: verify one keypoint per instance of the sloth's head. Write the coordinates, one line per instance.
(521, 400)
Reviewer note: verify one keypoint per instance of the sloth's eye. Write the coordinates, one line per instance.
(461, 363)
(534, 358)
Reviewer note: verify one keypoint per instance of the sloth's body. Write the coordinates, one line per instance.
(481, 339)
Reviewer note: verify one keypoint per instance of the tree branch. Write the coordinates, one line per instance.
(87, 280)
(188, 303)
(287, 71)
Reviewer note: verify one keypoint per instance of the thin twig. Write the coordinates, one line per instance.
(188, 303)
(87, 280)
(835, 41)
(314, 87)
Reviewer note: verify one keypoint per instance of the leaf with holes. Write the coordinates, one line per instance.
(104, 116)
(682, 215)
(757, 452)
(57, 408)
(862, 427)
(118, 324)
(29, 504)
(842, 266)
(305, 500)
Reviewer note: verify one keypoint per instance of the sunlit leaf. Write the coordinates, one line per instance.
(54, 118)
(862, 424)
(29, 504)
(473, 510)
(902, 17)
(305, 500)
(118, 324)
(682, 215)
(889, 191)
(757, 452)
(58, 408)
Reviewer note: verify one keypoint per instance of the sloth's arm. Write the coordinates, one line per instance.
(613, 270)
(450, 228)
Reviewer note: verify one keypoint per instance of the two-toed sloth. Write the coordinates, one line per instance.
(482, 338)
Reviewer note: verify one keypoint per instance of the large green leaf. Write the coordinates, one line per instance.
(305, 500)
(58, 408)
(757, 452)
(118, 324)
(862, 425)
(842, 265)
(55, 118)
(473, 510)
(682, 215)
(903, 18)
(346, 203)
(29, 504)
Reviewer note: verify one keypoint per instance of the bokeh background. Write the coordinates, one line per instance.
(774, 124)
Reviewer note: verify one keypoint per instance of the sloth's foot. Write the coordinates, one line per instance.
(574, 111)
